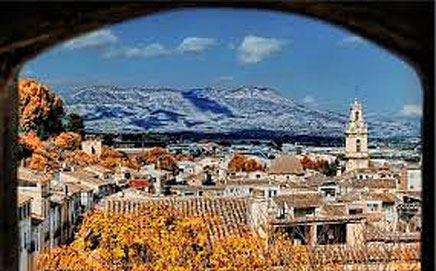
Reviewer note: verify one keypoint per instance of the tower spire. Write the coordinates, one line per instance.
(356, 139)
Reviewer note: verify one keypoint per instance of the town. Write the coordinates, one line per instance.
(318, 196)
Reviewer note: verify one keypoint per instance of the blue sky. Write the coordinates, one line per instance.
(307, 60)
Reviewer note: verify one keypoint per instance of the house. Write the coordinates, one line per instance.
(122, 175)
(66, 210)
(210, 148)
(382, 204)
(249, 187)
(369, 185)
(100, 187)
(92, 145)
(232, 211)
(36, 185)
(158, 178)
(411, 179)
(285, 168)
(186, 168)
(102, 172)
(305, 218)
(329, 189)
(213, 169)
(25, 231)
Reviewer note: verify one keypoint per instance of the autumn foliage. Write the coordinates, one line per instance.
(40, 110)
(111, 158)
(30, 141)
(68, 141)
(160, 157)
(318, 165)
(159, 237)
(242, 163)
(41, 113)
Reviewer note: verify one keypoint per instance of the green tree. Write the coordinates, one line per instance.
(74, 123)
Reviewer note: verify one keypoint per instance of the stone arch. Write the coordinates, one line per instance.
(404, 28)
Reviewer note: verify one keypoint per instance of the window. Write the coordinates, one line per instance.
(356, 115)
(355, 211)
(358, 146)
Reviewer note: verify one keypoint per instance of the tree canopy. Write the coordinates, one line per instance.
(40, 110)
(243, 163)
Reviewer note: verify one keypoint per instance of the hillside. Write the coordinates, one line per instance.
(137, 109)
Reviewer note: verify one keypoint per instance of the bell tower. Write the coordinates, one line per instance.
(356, 139)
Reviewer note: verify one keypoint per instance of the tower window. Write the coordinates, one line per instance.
(356, 115)
(358, 145)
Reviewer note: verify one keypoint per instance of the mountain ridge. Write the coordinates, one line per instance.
(110, 108)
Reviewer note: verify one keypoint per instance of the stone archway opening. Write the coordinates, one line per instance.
(408, 33)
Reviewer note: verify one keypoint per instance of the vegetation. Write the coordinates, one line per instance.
(320, 165)
(74, 123)
(243, 163)
(159, 157)
(40, 110)
(159, 237)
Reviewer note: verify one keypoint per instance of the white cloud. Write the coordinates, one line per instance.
(153, 49)
(254, 49)
(411, 110)
(309, 100)
(95, 39)
(195, 44)
(350, 40)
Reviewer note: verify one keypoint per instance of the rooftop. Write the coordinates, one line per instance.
(230, 210)
(286, 164)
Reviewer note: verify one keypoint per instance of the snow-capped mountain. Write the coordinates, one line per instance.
(138, 109)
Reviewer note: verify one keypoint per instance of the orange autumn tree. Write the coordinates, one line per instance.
(81, 158)
(45, 159)
(160, 157)
(158, 237)
(40, 110)
(68, 141)
(111, 158)
(318, 165)
(41, 157)
(30, 141)
(242, 163)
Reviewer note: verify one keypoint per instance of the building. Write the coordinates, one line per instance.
(92, 146)
(410, 179)
(286, 168)
(356, 139)
(25, 231)
(306, 218)
(37, 186)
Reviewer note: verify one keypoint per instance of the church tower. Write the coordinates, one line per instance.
(356, 139)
